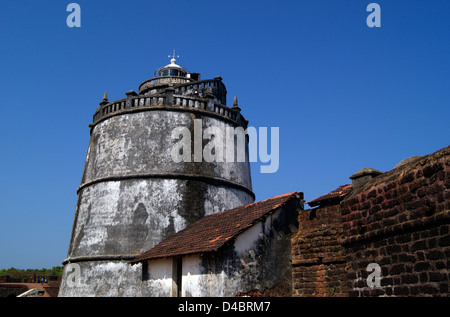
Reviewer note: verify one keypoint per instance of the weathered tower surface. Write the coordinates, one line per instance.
(133, 194)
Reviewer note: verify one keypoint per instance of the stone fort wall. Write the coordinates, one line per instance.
(399, 220)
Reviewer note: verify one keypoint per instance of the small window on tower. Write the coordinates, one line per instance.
(173, 72)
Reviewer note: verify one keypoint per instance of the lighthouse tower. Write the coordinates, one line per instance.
(148, 174)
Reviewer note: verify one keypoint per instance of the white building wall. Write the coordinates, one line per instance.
(159, 283)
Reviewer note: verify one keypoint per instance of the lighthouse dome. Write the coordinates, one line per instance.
(172, 70)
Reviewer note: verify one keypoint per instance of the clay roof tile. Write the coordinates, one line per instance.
(213, 231)
(336, 194)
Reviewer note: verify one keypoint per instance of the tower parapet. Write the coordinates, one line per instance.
(205, 96)
(176, 89)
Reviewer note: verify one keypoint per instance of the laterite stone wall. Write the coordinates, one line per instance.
(399, 220)
(318, 258)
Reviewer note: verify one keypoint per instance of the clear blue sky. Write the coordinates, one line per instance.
(344, 95)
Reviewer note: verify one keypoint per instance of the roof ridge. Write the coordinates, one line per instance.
(250, 205)
(337, 193)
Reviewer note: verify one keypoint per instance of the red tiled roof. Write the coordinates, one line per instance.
(340, 192)
(213, 231)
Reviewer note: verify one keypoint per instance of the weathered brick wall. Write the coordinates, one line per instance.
(399, 220)
(318, 259)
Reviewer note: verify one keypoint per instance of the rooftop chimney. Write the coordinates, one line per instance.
(363, 176)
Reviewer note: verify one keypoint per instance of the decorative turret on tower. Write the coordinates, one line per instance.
(133, 194)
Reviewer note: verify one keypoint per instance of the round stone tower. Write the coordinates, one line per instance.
(155, 164)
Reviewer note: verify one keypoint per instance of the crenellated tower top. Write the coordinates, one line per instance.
(174, 87)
